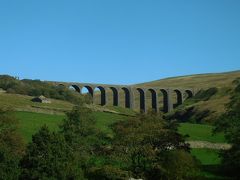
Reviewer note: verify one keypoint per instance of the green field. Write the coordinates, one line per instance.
(206, 156)
(200, 132)
(30, 122)
(24, 103)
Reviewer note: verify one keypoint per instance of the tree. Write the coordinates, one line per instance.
(48, 156)
(229, 123)
(148, 146)
(11, 145)
(81, 135)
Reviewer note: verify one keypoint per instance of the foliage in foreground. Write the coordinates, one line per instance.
(229, 123)
(148, 147)
(49, 156)
(11, 145)
(145, 147)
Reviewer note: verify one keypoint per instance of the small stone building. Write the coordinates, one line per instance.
(2, 91)
(41, 99)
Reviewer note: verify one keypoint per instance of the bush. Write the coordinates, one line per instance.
(48, 156)
(229, 123)
(11, 145)
(205, 95)
(146, 145)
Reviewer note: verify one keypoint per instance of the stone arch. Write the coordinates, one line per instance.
(166, 105)
(90, 89)
(154, 99)
(89, 93)
(179, 97)
(61, 85)
(189, 93)
(76, 88)
(142, 100)
(115, 96)
(103, 95)
(127, 97)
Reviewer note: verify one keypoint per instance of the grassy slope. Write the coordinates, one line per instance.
(223, 81)
(198, 132)
(30, 122)
(207, 156)
(24, 103)
(204, 81)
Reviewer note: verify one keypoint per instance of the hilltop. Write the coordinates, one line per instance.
(204, 81)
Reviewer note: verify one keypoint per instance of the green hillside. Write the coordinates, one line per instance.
(23, 103)
(214, 106)
(32, 115)
(204, 81)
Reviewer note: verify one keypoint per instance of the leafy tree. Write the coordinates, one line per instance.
(229, 123)
(80, 134)
(48, 156)
(149, 146)
(11, 145)
(78, 126)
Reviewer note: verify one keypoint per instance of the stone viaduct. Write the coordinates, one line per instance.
(133, 92)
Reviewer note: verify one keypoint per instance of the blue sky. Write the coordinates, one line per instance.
(118, 41)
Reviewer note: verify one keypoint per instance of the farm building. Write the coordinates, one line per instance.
(2, 91)
(41, 99)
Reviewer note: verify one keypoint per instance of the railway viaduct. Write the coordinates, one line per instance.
(133, 92)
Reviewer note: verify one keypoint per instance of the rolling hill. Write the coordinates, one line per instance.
(33, 115)
(208, 109)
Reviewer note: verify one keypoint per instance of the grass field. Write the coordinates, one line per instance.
(200, 132)
(24, 103)
(206, 156)
(30, 122)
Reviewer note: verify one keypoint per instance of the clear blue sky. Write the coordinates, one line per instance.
(118, 41)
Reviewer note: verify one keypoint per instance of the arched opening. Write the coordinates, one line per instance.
(87, 92)
(61, 85)
(75, 88)
(179, 98)
(142, 99)
(115, 96)
(165, 100)
(153, 97)
(61, 88)
(188, 94)
(127, 99)
(100, 96)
